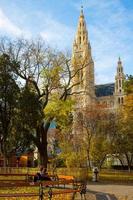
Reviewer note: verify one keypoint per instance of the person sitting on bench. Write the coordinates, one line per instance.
(42, 175)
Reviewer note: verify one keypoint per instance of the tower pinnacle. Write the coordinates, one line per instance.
(81, 38)
(119, 61)
(81, 12)
(119, 78)
(82, 56)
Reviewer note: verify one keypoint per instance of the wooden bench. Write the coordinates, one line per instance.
(32, 184)
(61, 177)
(41, 186)
(29, 177)
(66, 177)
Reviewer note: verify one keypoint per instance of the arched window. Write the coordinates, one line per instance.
(116, 86)
(119, 83)
(80, 39)
(122, 100)
(119, 100)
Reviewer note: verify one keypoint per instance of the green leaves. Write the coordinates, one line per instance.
(51, 76)
(58, 109)
(128, 84)
(9, 93)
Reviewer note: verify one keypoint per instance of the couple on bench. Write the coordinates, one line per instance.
(42, 175)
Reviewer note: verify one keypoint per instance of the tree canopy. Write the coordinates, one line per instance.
(46, 78)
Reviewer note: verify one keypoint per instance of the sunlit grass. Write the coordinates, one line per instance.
(118, 177)
(22, 190)
(104, 175)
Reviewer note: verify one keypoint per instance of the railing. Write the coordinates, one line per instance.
(21, 170)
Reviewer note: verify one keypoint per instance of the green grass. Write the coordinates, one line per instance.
(104, 175)
(117, 177)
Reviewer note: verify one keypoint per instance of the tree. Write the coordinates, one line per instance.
(99, 150)
(93, 121)
(9, 91)
(123, 141)
(49, 75)
(128, 84)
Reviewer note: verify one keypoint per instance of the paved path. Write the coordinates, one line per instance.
(98, 196)
(110, 191)
(102, 196)
(99, 191)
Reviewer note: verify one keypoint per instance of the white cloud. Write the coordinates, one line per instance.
(57, 34)
(8, 27)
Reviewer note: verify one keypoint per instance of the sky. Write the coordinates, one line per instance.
(109, 24)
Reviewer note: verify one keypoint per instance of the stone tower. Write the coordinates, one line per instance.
(119, 79)
(83, 68)
(83, 65)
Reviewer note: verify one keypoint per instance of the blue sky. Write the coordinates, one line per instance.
(109, 23)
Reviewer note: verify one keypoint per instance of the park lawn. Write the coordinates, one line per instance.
(104, 175)
(117, 177)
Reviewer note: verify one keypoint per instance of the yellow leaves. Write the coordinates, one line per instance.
(127, 109)
(51, 75)
(125, 125)
(75, 159)
(128, 84)
(128, 105)
(58, 108)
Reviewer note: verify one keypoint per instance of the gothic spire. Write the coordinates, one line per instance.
(119, 66)
(119, 78)
(82, 56)
(82, 33)
(81, 12)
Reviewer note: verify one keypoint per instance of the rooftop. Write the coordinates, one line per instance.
(104, 89)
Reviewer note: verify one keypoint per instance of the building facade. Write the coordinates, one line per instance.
(111, 94)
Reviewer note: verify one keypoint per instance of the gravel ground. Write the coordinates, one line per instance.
(88, 196)
(103, 196)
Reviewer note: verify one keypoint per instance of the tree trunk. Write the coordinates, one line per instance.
(4, 161)
(89, 137)
(88, 158)
(102, 161)
(121, 163)
(43, 156)
(42, 132)
(128, 161)
(4, 154)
